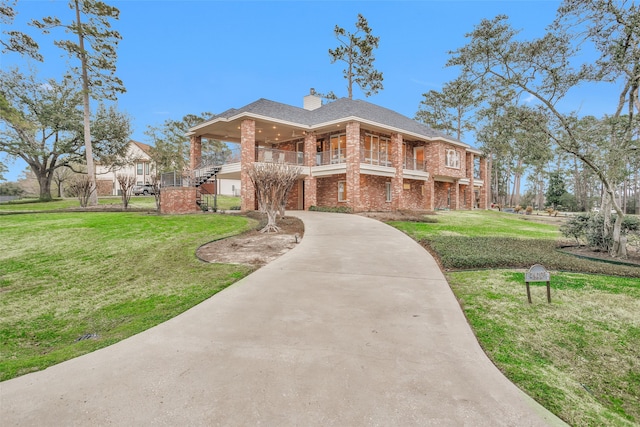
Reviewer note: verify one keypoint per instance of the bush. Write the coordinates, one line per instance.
(576, 227)
(590, 227)
(334, 209)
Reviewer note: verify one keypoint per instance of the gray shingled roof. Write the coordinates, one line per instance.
(333, 111)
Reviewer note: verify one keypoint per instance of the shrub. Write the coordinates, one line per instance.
(576, 227)
(590, 226)
(334, 209)
(529, 210)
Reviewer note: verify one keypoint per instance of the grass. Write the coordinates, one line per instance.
(474, 239)
(135, 203)
(577, 356)
(35, 205)
(105, 275)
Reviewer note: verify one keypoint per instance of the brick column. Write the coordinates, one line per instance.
(397, 181)
(429, 193)
(195, 151)
(310, 183)
(485, 175)
(247, 158)
(455, 197)
(471, 190)
(353, 165)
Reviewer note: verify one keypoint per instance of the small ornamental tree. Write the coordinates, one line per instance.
(155, 181)
(272, 182)
(126, 183)
(82, 188)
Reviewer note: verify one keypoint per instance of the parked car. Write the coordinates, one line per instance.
(144, 190)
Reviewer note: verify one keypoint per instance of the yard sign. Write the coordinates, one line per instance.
(538, 273)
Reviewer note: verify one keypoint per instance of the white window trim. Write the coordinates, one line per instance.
(388, 191)
(341, 197)
(452, 158)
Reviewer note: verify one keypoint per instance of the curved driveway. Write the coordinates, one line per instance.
(356, 326)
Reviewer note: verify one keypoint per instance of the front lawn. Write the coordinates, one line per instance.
(75, 282)
(577, 356)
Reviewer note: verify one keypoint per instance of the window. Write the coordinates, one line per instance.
(338, 147)
(452, 159)
(376, 150)
(387, 189)
(146, 168)
(139, 168)
(342, 191)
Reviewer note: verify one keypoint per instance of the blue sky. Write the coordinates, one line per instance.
(181, 57)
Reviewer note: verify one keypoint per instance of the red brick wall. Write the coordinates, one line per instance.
(435, 153)
(327, 191)
(176, 200)
(416, 196)
(373, 194)
(441, 191)
(292, 200)
(104, 187)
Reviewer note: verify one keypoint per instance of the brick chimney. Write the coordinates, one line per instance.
(312, 101)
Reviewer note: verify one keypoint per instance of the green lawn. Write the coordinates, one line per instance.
(107, 275)
(135, 203)
(577, 356)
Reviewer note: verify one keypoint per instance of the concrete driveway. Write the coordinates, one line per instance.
(356, 326)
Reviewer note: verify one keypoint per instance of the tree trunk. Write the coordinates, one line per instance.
(91, 172)
(44, 181)
(271, 226)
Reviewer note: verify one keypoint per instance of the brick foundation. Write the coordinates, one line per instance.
(178, 200)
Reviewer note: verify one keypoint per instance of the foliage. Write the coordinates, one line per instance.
(170, 147)
(138, 271)
(555, 190)
(43, 126)
(576, 356)
(448, 110)
(576, 226)
(16, 41)
(589, 227)
(545, 69)
(334, 209)
(96, 52)
(10, 189)
(272, 182)
(356, 50)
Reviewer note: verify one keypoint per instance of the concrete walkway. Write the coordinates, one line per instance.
(354, 327)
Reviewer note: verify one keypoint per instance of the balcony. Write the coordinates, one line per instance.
(409, 163)
(375, 158)
(272, 155)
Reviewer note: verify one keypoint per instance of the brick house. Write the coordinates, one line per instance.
(351, 153)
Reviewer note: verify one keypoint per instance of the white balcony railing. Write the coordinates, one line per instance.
(271, 155)
(410, 163)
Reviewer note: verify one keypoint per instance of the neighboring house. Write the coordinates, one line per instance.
(137, 163)
(351, 153)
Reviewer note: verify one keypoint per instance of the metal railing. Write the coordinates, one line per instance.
(331, 157)
(174, 179)
(415, 165)
(378, 158)
(272, 155)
